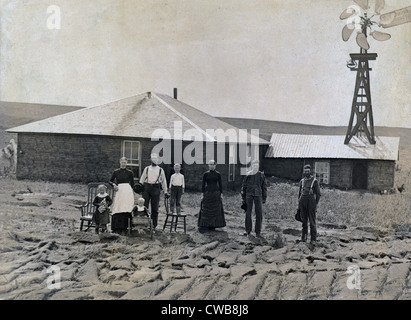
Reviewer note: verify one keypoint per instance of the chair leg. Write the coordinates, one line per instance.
(185, 225)
(81, 225)
(165, 222)
(151, 228)
(171, 224)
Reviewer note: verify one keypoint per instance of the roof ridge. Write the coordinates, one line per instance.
(183, 117)
(249, 135)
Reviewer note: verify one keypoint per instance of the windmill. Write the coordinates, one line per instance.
(357, 19)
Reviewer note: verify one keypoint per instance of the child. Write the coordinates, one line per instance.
(177, 186)
(140, 209)
(102, 201)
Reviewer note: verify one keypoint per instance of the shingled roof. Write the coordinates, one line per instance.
(136, 116)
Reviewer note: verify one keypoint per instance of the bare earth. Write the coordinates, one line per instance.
(41, 229)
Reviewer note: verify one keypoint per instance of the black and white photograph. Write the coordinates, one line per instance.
(205, 151)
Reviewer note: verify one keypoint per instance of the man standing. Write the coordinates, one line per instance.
(254, 191)
(308, 198)
(153, 178)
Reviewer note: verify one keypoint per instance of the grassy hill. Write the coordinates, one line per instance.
(13, 114)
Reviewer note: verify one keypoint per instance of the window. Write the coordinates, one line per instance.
(322, 172)
(131, 150)
(231, 162)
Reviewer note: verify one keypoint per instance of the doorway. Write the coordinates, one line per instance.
(360, 175)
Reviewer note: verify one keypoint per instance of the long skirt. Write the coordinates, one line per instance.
(119, 221)
(211, 213)
(101, 218)
(121, 208)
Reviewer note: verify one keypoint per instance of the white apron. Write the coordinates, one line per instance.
(123, 199)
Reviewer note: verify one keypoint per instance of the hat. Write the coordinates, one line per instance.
(307, 166)
(244, 206)
(138, 188)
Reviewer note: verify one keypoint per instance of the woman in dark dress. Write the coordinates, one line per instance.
(211, 214)
(123, 203)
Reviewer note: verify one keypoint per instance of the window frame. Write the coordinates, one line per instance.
(129, 158)
(322, 168)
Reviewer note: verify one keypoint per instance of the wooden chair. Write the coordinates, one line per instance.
(88, 209)
(174, 218)
(141, 220)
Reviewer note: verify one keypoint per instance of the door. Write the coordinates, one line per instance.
(359, 175)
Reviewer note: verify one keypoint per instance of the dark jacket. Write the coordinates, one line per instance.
(212, 181)
(122, 176)
(254, 185)
(309, 187)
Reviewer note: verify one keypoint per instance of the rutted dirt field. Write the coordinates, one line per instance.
(40, 234)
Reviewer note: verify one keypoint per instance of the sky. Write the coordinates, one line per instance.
(281, 60)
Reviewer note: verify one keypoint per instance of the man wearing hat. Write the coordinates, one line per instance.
(308, 198)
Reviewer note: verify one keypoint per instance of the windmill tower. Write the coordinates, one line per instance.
(361, 119)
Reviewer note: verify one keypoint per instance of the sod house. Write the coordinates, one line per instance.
(86, 145)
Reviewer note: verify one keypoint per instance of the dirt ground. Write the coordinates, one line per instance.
(45, 256)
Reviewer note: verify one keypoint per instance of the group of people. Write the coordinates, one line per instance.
(211, 214)
(122, 207)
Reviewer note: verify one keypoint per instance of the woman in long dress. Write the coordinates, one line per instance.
(123, 203)
(211, 214)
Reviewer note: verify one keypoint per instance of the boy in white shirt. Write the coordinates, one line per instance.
(177, 186)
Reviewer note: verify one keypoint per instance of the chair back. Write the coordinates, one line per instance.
(92, 193)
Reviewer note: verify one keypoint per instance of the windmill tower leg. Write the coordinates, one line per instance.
(361, 110)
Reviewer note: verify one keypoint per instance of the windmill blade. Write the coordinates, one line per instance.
(379, 5)
(363, 4)
(362, 41)
(380, 36)
(347, 13)
(347, 31)
(395, 18)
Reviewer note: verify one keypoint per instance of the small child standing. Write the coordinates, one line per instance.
(177, 186)
(102, 201)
